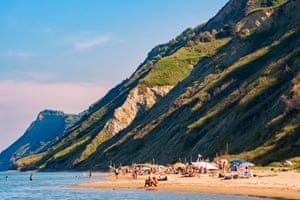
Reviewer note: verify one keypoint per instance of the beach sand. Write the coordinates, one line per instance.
(282, 185)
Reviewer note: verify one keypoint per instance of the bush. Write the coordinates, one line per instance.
(206, 37)
(226, 31)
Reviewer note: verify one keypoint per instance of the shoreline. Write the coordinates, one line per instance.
(279, 185)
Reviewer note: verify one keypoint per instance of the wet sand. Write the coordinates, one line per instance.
(280, 185)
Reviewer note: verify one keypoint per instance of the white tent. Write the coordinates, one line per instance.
(204, 165)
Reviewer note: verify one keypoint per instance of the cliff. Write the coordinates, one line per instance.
(231, 84)
(41, 134)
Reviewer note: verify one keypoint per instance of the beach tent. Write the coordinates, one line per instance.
(204, 165)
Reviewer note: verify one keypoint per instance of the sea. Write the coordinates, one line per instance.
(56, 186)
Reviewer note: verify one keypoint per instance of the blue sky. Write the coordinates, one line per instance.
(66, 54)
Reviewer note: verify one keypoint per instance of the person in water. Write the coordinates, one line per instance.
(6, 178)
(31, 177)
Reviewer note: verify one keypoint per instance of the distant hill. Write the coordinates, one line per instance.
(42, 133)
(231, 84)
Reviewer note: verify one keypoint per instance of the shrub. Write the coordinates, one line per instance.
(206, 36)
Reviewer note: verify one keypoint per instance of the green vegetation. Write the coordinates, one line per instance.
(93, 145)
(174, 44)
(24, 162)
(239, 91)
(167, 72)
(70, 148)
(172, 69)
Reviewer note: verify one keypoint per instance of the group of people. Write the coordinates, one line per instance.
(30, 178)
(236, 170)
(149, 182)
(124, 171)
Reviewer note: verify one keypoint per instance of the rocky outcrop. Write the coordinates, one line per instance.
(140, 99)
(248, 25)
(231, 13)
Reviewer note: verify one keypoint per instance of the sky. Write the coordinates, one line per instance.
(66, 54)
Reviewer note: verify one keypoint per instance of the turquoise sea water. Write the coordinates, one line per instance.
(50, 186)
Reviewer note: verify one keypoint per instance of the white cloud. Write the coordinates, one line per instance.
(20, 102)
(17, 54)
(84, 42)
(90, 43)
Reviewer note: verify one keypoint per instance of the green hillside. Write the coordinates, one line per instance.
(230, 84)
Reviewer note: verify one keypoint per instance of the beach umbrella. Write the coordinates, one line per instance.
(248, 163)
(179, 165)
(145, 168)
(288, 163)
(238, 161)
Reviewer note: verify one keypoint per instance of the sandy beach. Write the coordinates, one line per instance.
(280, 185)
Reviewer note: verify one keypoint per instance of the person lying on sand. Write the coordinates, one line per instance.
(162, 178)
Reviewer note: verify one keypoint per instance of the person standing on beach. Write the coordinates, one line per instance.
(116, 172)
(135, 173)
(90, 174)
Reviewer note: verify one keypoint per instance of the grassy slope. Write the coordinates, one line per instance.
(233, 96)
(82, 141)
(229, 99)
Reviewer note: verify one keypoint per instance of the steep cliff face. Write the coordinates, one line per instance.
(139, 100)
(232, 98)
(231, 82)
(248, 25)
(244, 14)
(41, 134)
(114, 113)
(231, 13)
